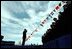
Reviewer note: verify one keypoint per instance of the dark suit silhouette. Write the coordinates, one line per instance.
(24, 36)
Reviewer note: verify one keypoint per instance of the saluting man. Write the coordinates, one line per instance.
(24, 36)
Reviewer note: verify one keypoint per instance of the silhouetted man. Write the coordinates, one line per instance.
(24, 36)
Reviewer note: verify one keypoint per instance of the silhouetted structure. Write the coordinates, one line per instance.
(55, 19)
(2, 37)
(24, 36)
(6, 43)
(60, 27)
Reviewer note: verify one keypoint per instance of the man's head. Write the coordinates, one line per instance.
(25, 29)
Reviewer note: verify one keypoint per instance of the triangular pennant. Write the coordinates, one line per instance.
(54, 10)
(50, 16)
(47, 18)
(57, 7)
(59, 4)
(41, 24)
(51, 13)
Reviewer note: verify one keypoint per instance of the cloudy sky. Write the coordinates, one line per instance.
(19, 15)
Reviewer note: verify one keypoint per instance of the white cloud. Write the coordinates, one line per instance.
(12, 27)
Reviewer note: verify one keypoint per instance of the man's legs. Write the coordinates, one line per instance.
(23, 42)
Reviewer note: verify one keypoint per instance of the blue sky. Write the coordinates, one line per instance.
(19, 15)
